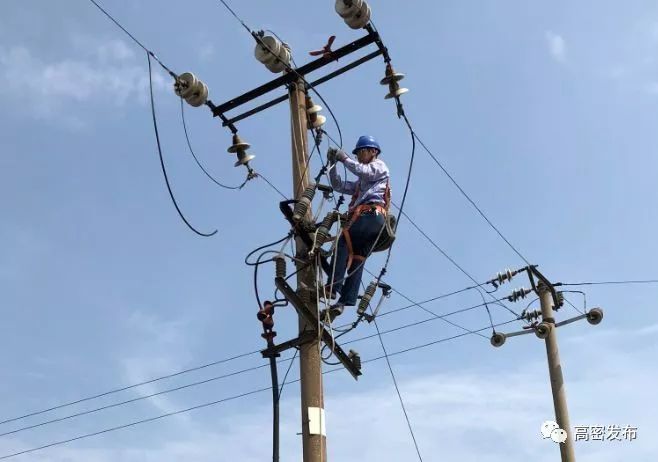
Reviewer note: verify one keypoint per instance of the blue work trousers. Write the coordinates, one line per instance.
(363, 233)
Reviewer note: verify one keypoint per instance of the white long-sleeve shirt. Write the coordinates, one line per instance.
(372, 181)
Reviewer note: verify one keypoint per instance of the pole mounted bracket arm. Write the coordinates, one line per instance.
(310, 316)
(534, 272)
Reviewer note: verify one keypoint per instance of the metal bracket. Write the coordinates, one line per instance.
(371, 37)
(311, 318)
(532, 270)
(276, 350)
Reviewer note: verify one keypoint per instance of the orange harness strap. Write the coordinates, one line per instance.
(355, 213)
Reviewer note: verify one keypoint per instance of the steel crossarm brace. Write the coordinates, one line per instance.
(310, 317)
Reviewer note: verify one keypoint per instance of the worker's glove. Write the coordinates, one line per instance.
(331, 156)
(335, 155)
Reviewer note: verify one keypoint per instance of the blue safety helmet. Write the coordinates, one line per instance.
(366, 141)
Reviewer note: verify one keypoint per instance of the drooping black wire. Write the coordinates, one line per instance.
(189, 145)
(397, 390)
(265, 246)
(252, 392)
(164, 170)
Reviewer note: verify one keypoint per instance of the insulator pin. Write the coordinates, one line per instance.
(355, 13)
(191, 89)
(367, 296)
(272, 52)
(391, 79)
(315, 120)
(518, 294)
(239, 147)
(302, 206)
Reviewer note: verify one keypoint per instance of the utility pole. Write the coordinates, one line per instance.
(314, 442)
(555, 371)
(275, 55)
(546, 330)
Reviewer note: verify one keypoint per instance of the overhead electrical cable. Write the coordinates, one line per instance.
(230, 398)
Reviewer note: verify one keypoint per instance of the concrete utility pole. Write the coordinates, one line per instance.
(313, 428)
(555, 371)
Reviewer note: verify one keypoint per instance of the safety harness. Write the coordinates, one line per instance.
(353, 214)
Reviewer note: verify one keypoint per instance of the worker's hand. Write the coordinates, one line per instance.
(340, 155)
(331, 156)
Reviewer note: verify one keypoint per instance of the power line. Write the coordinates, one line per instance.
(230, 398)
(139, 398)
(397, 389)
(461, 190)
(189, 145)
(138, 422)
(600, 283)
(129, 387)
(260, 175)
(231, 374)
(289, 68)
(164, 170)
(149, 52)
(449, 258)
(213, 363)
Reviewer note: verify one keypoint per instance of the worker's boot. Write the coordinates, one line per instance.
(329, 292)
(328, 315)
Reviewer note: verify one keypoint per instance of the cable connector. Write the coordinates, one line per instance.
(265, 316)
(518, 294)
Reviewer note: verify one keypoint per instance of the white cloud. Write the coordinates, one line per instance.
(557, 46)
(110, 74)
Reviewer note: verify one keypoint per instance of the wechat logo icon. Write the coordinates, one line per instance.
(552, 430)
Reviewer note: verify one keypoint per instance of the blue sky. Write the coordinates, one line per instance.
(545, 114)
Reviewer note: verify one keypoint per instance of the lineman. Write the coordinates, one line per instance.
(366, 218)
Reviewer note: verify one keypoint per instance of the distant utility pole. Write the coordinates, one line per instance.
(555, 372)
(314, 442)
(549, 298)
